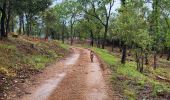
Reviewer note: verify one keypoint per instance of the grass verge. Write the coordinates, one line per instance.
(131, 83)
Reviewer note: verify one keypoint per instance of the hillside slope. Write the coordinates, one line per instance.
(22, 57)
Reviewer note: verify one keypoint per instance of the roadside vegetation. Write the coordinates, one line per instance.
(22, 57)
(132, 84)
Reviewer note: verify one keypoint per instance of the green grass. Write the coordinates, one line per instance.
(7, 46)
(136, 79)
(64, 46)
(128, 69)
(39, 61)
(25, 56)
(17, 54)
(104, 54)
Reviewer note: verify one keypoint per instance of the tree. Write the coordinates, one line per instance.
(62, 14)
(101, 10)
(155, 29)
(3, 6)
(130, 27)
(33, 8)
(73, 15)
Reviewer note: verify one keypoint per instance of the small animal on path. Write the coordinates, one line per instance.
(91, 55)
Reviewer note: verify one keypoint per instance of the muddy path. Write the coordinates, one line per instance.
(73, 78)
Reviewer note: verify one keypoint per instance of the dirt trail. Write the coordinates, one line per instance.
(74, 78)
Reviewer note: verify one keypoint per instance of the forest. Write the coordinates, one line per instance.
(132, 37)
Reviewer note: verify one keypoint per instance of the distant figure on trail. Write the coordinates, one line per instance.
(91, 55)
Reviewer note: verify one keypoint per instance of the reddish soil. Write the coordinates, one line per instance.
(73, 78)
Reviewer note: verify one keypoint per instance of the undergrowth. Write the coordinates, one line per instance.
(24, 56)
(133, 84)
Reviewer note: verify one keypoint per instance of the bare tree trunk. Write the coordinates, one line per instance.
(92, 38)
(124, 51)
(23, 24)
(46, 35)
(137, 61)
(12, 27)
(168, 56)
(3, 10)
(142, 59)
(8, 19)
(63, 31)
(155, 60)
(161, 54)
(27, 25)
(71, 34)
(105, 35)
(52, 35)
(98, 42)
(146, 59)
(112, 45)
(20, 24)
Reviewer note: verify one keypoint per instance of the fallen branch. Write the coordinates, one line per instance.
(162, 78)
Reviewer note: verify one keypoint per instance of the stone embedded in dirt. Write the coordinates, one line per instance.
(15, 81)
(22, 80)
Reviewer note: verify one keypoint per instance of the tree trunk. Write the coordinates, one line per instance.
(12, 27)
(12, 24)
(20, 24)
(30, 29)
(137, 61)
(71, 34)
(98, 42)
(105, 35)
(46, 35)
(168, 57)
(52, 35)
(28, 19)
(3, 10)
(120, 46)
(8, 20)
(27, 25)
(63, 31)
(124, 50)
(39, 33)
(161, 54)
(155, 60)
(146, 59)
(92, 38)
(112, 45)
(141, 67)
(23, 24)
